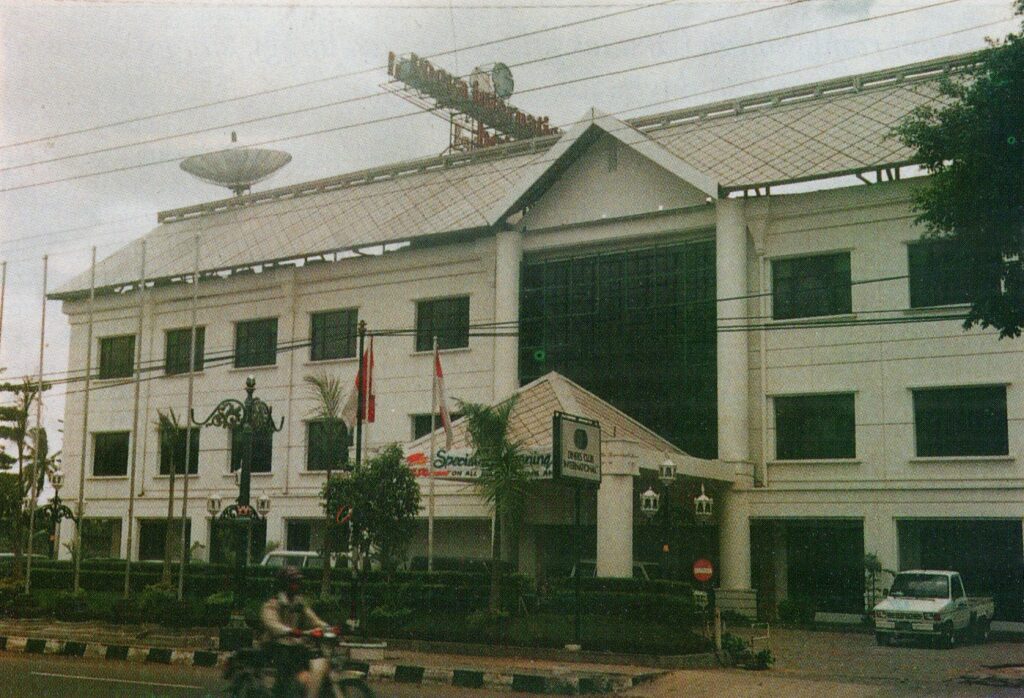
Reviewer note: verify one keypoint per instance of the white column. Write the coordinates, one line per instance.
(731, 275)
(508, 256)
(881, 540)
(734, 541)
(615, 526)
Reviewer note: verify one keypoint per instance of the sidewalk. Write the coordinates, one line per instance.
(558, 672)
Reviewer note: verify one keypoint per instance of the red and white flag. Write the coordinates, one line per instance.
(442, 403)
(349, 413)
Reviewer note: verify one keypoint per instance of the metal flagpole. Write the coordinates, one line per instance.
(39, 427)
(360, 388)
(77, 552)
(3, 292)
(135, 420)
(430, 476)
(188, 429)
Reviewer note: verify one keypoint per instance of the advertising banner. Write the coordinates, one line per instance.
(461, 463)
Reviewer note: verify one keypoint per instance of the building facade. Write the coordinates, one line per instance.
(744, 280)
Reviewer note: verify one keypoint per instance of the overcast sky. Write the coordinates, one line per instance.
(72, 65)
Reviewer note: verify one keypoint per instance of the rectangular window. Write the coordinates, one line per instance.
(117, 356)
(172, 447)
(304, 534)
(153, 539)
(222, 542)
(262, 450)
(939, 275)
(961, 421)
(177, 350)
(256, 343)
(326, 443)
(809, 427)
(333, 334)
(110, 453)
(811, 286)
(444, 318)
(101, 538)
(421, 424)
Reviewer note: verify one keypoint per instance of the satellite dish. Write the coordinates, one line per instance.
(501, 77)
(236, 168)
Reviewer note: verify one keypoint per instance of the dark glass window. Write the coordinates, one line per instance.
(815, 426)
(444, 318)
(333, 335)
(110, 453)
(651, 314)
(811, 286)
(326, 442)
(304, 534)
(939, 274)
(173, 446)
(223, 546)
(117, 356)
(256, 343)
(177, 350)
(153, 539)
(262, 450)
(421, 425)
(101, 538)
(961, 421)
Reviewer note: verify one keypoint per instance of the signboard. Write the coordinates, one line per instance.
(577, 449)
(461, 463)
(703, 570)
(700, 598)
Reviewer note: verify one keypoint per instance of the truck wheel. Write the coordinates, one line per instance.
(947, 640)
(982, 629)
(883, 639)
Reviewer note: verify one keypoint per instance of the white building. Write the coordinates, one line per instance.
(828, 399)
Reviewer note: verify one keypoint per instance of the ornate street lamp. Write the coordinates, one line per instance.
(667, 471)
(55, 510)
(213, 503)
(650, 503)
(703, 507)
(251, 416)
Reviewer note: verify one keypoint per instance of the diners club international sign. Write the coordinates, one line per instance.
(461, 463)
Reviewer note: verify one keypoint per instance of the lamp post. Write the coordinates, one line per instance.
(251, 416)
(55, 510)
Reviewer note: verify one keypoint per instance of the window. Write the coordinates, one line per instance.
(326, 442)
(101, 538)
(333, 334)
(223, 541)
(445, 318)
(177, 350)
(256, 343)
(110, 453)
(262, 450)
(153, 539)
(961, 421)
(421, 425)
(304, 534)
(939, 274)
(117, 356)
(172, 446)
(811, 286)
(811, 427)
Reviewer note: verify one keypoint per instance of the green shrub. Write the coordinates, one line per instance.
(635, 606)
(9, 590)
(387, 622)
(158, 604)
(71, 606)
(26, 606)
(217, 608)
(125, 611)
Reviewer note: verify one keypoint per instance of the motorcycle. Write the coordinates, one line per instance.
(251, 672)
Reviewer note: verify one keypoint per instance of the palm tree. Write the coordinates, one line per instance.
(169, 428)
(503, 478)
(327, 391)
(14, 419)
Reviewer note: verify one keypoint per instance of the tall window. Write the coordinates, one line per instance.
(101, 538)
(815, 427)
(333, 334)
(811, 286)
(256, 343)
(262, 450)
(421, 423)
(117, 356)
(939, 274)
(961, 421)
(326, 442)
(173, 446)
(110, 453)
(177, 350)
(444, 318)
(153, 539)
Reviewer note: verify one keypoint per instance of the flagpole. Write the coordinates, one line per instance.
(77, 552)
(430, 475)
(3, 293)
(38, 439)
(135, 420)
(185, 521)
(360, 380)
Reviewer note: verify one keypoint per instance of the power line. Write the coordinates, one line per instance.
(374, 95)
(562, 83)
(648, 105)
(338, 76)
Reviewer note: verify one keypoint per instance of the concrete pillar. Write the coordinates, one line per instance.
(508, 257)
(731, 276)
(615, 525)
(881, 540)
(734, 541)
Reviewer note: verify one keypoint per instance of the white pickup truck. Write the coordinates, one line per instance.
(932, 604)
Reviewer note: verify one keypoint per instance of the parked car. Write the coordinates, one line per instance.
(932, 604)
(457, 564)
(303, 559)
(641, 570)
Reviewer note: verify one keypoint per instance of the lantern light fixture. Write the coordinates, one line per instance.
(213, 503)
(703, 506)
(263, 505)
(57, 479)
(667, 471)
(649, 503)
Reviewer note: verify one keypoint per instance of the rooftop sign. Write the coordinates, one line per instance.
(577, 449)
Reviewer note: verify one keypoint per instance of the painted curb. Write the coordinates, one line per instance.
(561, 682)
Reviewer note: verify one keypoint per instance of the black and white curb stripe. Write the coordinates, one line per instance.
(562, 683)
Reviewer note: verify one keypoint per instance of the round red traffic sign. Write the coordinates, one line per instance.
(702, 570)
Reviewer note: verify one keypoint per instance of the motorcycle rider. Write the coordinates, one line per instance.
(285, 617)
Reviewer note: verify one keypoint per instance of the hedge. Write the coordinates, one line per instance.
(610, 604)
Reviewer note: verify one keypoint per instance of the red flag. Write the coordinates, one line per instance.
(364, 377)
(442, 405)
